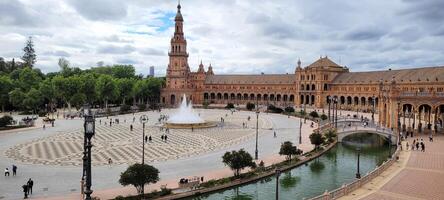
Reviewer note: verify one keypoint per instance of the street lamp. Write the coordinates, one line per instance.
(89, 127)
(335, 110)
(256, 152)
(143, 120)
(373, 110)
(329, 105)
(358, 174)
(278, 173)
(300, 130)
(390, 145)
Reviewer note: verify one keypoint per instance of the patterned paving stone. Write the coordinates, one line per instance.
(124, 146)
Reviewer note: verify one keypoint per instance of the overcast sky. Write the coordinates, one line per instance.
(235, 36)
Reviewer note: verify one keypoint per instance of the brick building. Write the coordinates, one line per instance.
(412, 98)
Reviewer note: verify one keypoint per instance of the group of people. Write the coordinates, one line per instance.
(417, 144)
(27, 188)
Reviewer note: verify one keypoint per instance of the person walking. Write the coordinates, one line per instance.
(150, 139)
(407, 145)
(274, 133)
(14, 170)
(146, 138)
(166, 138)
(30, 184)
(25, 191)
(422, 147)
(417, 145)
(6, 171)
(161, 137)
(131, 127)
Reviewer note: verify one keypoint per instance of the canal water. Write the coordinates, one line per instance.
(329, 171)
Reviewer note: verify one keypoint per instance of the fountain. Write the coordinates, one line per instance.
(187, 118)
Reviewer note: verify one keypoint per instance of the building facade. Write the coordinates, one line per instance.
(408, 99)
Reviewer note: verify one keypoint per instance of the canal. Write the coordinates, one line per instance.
(329, 171)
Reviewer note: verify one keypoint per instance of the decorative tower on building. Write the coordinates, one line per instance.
(178, 69)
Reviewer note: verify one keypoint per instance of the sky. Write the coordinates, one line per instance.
(235, 36)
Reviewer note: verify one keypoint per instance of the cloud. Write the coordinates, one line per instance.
(127, 61)
(367, 33)
(13, 12)
(152, 52)
(57, 53)
(114, 49)
(100, 9)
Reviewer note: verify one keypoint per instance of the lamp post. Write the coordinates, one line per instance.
(358, 174)
(329, 105)
(278, 173)
(300, 130)
(256, 152)
(89, 127)
(335, 106)
(143, 120)
(373, 110)
(390, 145)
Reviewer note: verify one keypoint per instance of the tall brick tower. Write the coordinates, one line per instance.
(178, 71)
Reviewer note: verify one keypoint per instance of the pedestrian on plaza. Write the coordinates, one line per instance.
(44, 127)
(14, 170)
(131, 127)
(134, 118)
(6, 171)
(110, 161)
(431, 137)
(417, 145)
(30, 184)
(161, 137)
(400, 145)
(146, 138)
(422, 147)
(274, 134)
(192, 129)
(25, 191)
(100, 121)
(149, 138)
(166, 138)
(407, 145)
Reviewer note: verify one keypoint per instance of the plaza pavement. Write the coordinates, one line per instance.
(56, 171)
(417, 175)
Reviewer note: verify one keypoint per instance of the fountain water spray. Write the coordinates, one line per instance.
(186, 114)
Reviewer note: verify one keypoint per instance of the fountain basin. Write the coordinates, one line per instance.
(173, 125)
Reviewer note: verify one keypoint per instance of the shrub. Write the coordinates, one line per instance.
(250, 106)
(289, 109)
(229, 106)
(303, 113)
(205, 104)
(42, 113)
(330, 136)
(316, 139)
(141, 107)
(125, 108)
(274, 109)
(314, 114)
(5, 120)
(324, 117)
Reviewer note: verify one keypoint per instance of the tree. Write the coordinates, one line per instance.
(314, 114)
(29, 56)
(316, 139)
(6, 87)
(238, 160)
(33, 99)
(289, 109)
(139, 175)
(324, 117)
(16, 97)
(89, 87)
(123, 71)
(48, 92)
(288, 150)
(229, 106)
(28, 78)
(107, 89)
(5, 120)
(78, 100)
(125, 87)
(250, 106)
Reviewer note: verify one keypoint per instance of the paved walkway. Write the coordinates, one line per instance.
(417, 175)
(51, 157)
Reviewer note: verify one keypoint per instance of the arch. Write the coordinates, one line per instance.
(265, 97)
(225, 96)
(325, 87)
(342, 100)
(349, 100)
(219, 96)
(302, 87)
(212, 96)
(272, 98)
(307, 87)
(278, 97)
(239, 96)
(252, 97)
(307, 99)
(206, 96)
(313, 87)
(302, 99)
(327, 99)
(258, 97)
(245, 96)
(285, 97)
(356, 101)
(173, 99)
(363, 101)
(233, 96)
(370, 101)
(291, 97)
(312, 100)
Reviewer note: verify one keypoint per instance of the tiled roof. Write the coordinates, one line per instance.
(252, 79)
(323, 62)
(425, 74)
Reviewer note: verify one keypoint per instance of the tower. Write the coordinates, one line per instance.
(178, 69)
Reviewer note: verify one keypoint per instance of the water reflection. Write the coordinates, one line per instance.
(289, 181)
